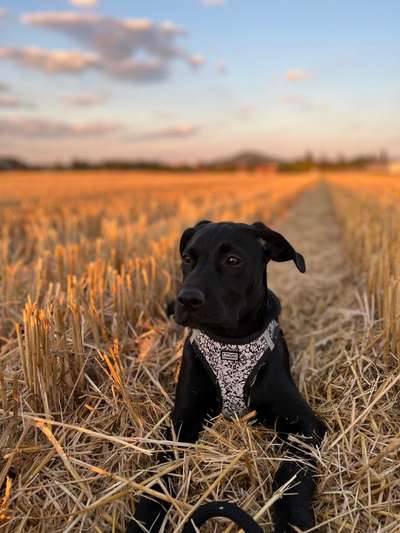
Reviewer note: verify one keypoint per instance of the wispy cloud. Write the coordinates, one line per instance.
(222, 67)
(84, 3)
(45, 128)
(51, 61)
(3, 12)
(175, 132)
(213, 2)
(303, 103)
(297, 74)
(10, 100)
(196, 60)
(132, 49)
(27, 127)
(246, 111)
(84, 99)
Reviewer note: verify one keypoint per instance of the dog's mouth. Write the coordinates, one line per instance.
(186, 317)
(192, 319)
(181, 316)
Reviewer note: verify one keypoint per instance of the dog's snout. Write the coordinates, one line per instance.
(191, 298)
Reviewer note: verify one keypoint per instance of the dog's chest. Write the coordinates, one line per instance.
(234, 367)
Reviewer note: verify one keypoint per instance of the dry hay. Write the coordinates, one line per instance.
(368, 209)
(75, 455)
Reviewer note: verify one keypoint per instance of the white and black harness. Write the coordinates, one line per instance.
(234, 367)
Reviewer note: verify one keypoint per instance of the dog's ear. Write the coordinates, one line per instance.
(189, 232)
(277, 247)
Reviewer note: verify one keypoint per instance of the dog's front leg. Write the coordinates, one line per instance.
(195, 402)
(278, 402)
(296, 417)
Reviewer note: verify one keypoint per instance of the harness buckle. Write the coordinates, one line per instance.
(228, 355)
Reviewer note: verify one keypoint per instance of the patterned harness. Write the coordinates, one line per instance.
(234, 367)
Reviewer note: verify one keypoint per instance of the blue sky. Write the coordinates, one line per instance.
(197, 79)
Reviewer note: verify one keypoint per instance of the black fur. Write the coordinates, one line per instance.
(225, 293)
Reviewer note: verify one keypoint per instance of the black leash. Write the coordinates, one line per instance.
(221, 509)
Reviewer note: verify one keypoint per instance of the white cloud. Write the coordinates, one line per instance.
(214, 2)
(179, 131)
(84, 99)
(297, 74)
(134, 49)
(47, 128)
(51, 61)
(84, 3)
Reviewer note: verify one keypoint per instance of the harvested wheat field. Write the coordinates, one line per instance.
(89, 360)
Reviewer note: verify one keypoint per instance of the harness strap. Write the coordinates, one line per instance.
(193, 335)
(268, 334)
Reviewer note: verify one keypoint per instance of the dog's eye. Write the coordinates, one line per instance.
(232, 260)
(187, 259)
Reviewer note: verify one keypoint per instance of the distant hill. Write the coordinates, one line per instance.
(244, 160)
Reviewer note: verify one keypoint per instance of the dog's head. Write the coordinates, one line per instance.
(224, 273)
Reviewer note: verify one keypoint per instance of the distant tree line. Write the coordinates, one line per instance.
(242, 161)
(340, 162)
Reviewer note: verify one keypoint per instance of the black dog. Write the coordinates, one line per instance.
(235, 359)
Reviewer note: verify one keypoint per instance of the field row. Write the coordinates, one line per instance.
(369, 211)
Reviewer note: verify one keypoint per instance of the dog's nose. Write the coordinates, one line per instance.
(191, 298)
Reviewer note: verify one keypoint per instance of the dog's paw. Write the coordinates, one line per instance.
(133, 527)
(291, 514)
(303, 519)
(149, 516)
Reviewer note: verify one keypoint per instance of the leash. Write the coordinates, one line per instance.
(221, 509)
